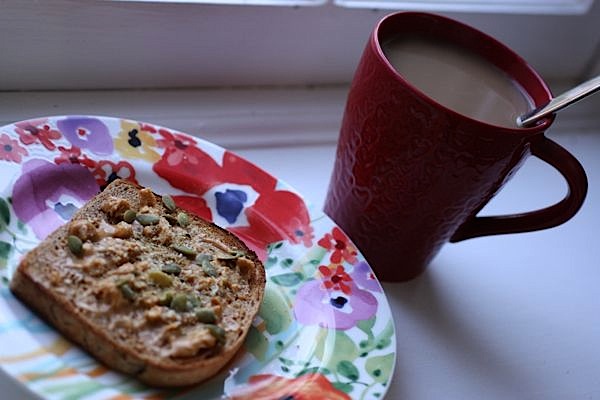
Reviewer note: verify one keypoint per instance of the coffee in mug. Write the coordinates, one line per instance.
(471, 85)
(429, 136)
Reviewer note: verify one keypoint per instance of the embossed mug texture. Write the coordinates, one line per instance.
(411, 174)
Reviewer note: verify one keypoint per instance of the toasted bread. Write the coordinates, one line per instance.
(144, 287)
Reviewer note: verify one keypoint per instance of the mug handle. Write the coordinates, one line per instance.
(548, 217)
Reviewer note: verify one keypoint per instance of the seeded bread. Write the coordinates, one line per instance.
(144, 287)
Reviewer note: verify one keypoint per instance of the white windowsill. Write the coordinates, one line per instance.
(235, 117)
(260, 123)
(232, 118)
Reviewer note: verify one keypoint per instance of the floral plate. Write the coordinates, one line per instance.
(324, 330)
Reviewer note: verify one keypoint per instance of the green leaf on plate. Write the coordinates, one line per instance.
(21, 226)
(256, 343)
(73, 390)
(334, 346)
(4, 214)
(287, 262)
(275, 311)
(288, 279)
(273, 246)
(271, 260)
(314, 370)
(380, 367)
(344, 387)
(366, 325)
(286, 361)
(5, 249)
(348, 370)
(384, 339)
(311, 260)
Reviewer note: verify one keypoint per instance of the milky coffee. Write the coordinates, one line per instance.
(459, 80)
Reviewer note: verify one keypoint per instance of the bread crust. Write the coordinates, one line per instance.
(32, 284)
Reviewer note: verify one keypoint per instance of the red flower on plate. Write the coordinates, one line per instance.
(277, 214)
(341, 246)
(195, 205)
(10, 150)
(305, 387)
(242, 194)
(73, 155)
(107, 171)
(176, 147)
(184, 165)
(36, 130)
(336, 278)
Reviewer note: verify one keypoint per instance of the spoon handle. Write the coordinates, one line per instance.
(560, 102)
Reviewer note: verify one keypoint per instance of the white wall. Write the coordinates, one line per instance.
(101, 44)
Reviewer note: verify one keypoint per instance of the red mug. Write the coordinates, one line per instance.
(411, 174)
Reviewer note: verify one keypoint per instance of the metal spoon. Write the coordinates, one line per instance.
(559, 102)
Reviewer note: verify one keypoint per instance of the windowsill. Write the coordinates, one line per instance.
(235, 118)
(232, 118)
(259, 123)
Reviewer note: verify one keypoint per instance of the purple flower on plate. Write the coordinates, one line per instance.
(317, 305)
(365, 278)
(87, 133)
(46, 195)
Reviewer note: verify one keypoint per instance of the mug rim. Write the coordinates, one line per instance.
(543, 92)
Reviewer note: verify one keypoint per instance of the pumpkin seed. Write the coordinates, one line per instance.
(207, 266)
(185, 250)
(231, 259)
(75, 244)
(160, 278)
(183, 219)
(179, 302)
(172, 269)
(165, 299)
(193, 300)
(226, 257)
(169, 202)
(206, 315)
(217, 332)
(129, 216)
(147, 219)
(127, 291)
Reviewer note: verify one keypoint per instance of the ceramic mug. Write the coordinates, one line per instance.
(411, 174)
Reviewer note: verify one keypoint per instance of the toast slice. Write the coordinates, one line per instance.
(147, 289)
